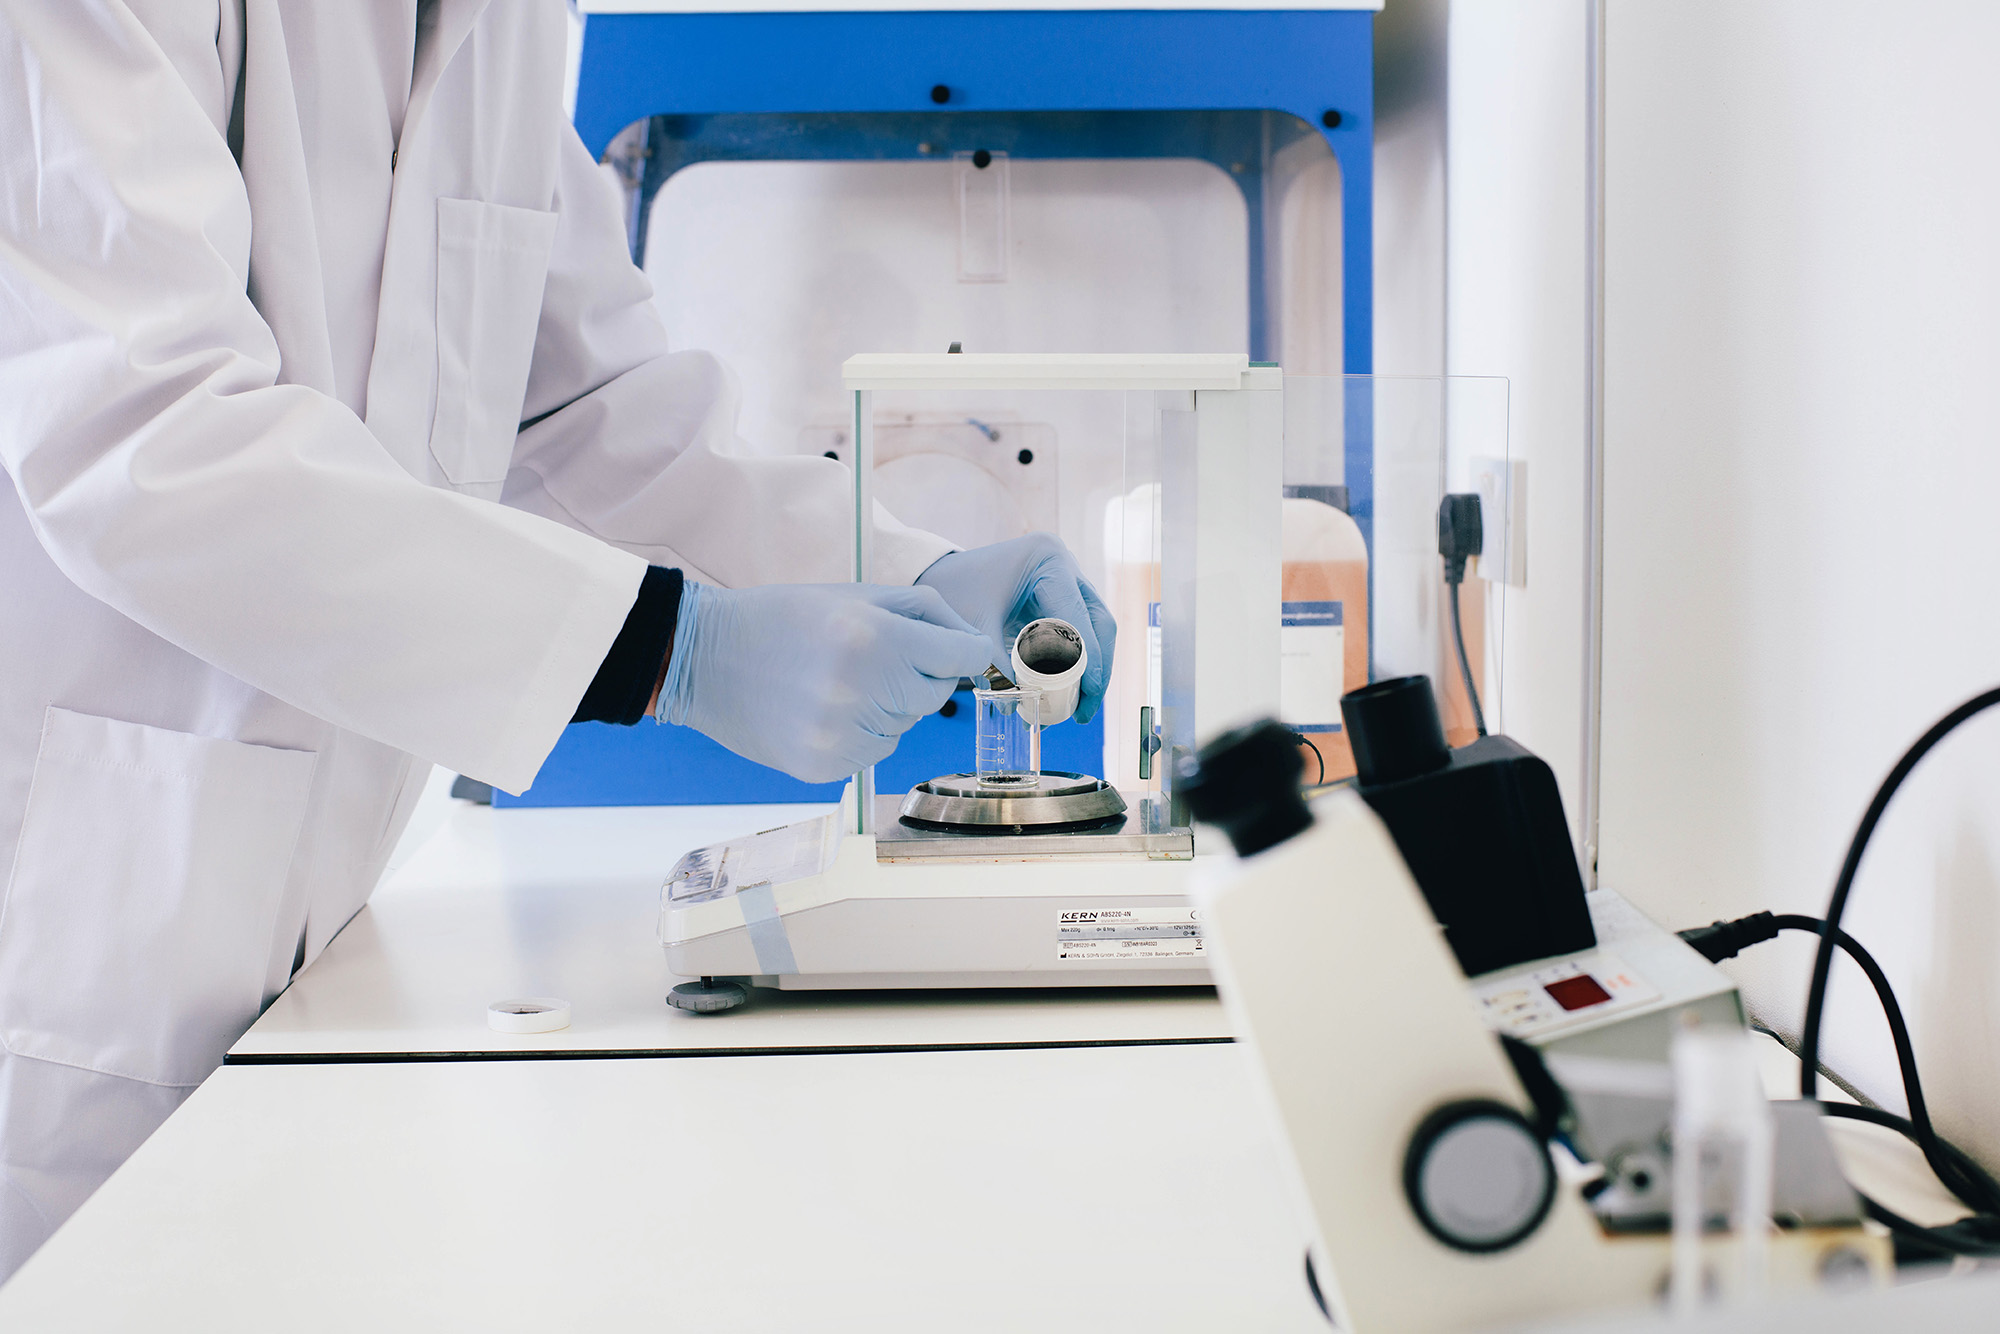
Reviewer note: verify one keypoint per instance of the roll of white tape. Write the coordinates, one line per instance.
(528, 1014)
(1049, 654)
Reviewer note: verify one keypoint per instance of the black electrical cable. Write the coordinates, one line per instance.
(1979, 1234)
(1837, 906)
(1724, 940)
(1307, 742)
(1461, 536)
(1977, 1189)
(1976, 1235)
(1464, 664)
(1892, 1013)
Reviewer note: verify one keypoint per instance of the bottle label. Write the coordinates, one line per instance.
(1312, 649)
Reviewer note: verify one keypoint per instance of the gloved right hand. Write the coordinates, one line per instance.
(815, 679)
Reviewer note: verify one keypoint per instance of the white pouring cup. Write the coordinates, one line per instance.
(1049, 654)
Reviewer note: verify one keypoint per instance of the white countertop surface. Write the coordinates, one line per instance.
(1086, 1183)
(564, 902)
(1101, 1189)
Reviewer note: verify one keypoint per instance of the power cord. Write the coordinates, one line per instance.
(1725, 940)
(1307, 742)
(1837, 906)
(1461, 536)
(1978, 1235)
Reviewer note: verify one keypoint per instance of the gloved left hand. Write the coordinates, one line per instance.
(818, 680)
(1000, 588)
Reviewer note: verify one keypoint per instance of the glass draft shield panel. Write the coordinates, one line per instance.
(1267, 544)
(1365, 591)
(1430, 436)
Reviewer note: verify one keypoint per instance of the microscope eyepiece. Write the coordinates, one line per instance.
(1247, 782)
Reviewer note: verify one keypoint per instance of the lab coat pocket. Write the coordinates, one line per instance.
(493, 261)
(136, 932)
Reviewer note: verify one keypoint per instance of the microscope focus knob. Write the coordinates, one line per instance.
(1478, 1176)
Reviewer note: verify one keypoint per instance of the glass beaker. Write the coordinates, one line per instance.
(1007, 737)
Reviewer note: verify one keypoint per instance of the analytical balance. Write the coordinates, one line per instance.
(1066, 881)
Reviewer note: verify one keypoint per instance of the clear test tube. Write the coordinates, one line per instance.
(1722, 1164)
(1007, 737)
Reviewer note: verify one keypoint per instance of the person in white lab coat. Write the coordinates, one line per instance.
(344, 439)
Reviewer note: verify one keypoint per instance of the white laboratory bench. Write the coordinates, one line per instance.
(377, 1157)
(1098, 1189)
(564, 902)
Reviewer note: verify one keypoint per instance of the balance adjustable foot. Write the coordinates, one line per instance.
(707, 996)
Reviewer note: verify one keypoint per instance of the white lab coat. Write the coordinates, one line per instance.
(277, 538)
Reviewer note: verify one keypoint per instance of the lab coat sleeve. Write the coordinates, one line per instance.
(170, 471)
(636, 443)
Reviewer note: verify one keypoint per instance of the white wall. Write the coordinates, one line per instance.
(1802, 481)
(1516, 309)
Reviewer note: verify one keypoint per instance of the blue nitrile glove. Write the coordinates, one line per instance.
(815, 679)
(1002, 587)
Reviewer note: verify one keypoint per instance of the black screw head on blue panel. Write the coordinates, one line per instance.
(941, 93)
(1330, 119)
(982, 159)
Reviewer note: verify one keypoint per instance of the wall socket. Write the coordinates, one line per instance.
(1502, 488)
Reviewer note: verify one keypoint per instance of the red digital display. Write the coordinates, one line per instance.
(1578, 993)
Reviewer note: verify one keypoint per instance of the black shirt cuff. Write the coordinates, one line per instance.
(624, 682)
